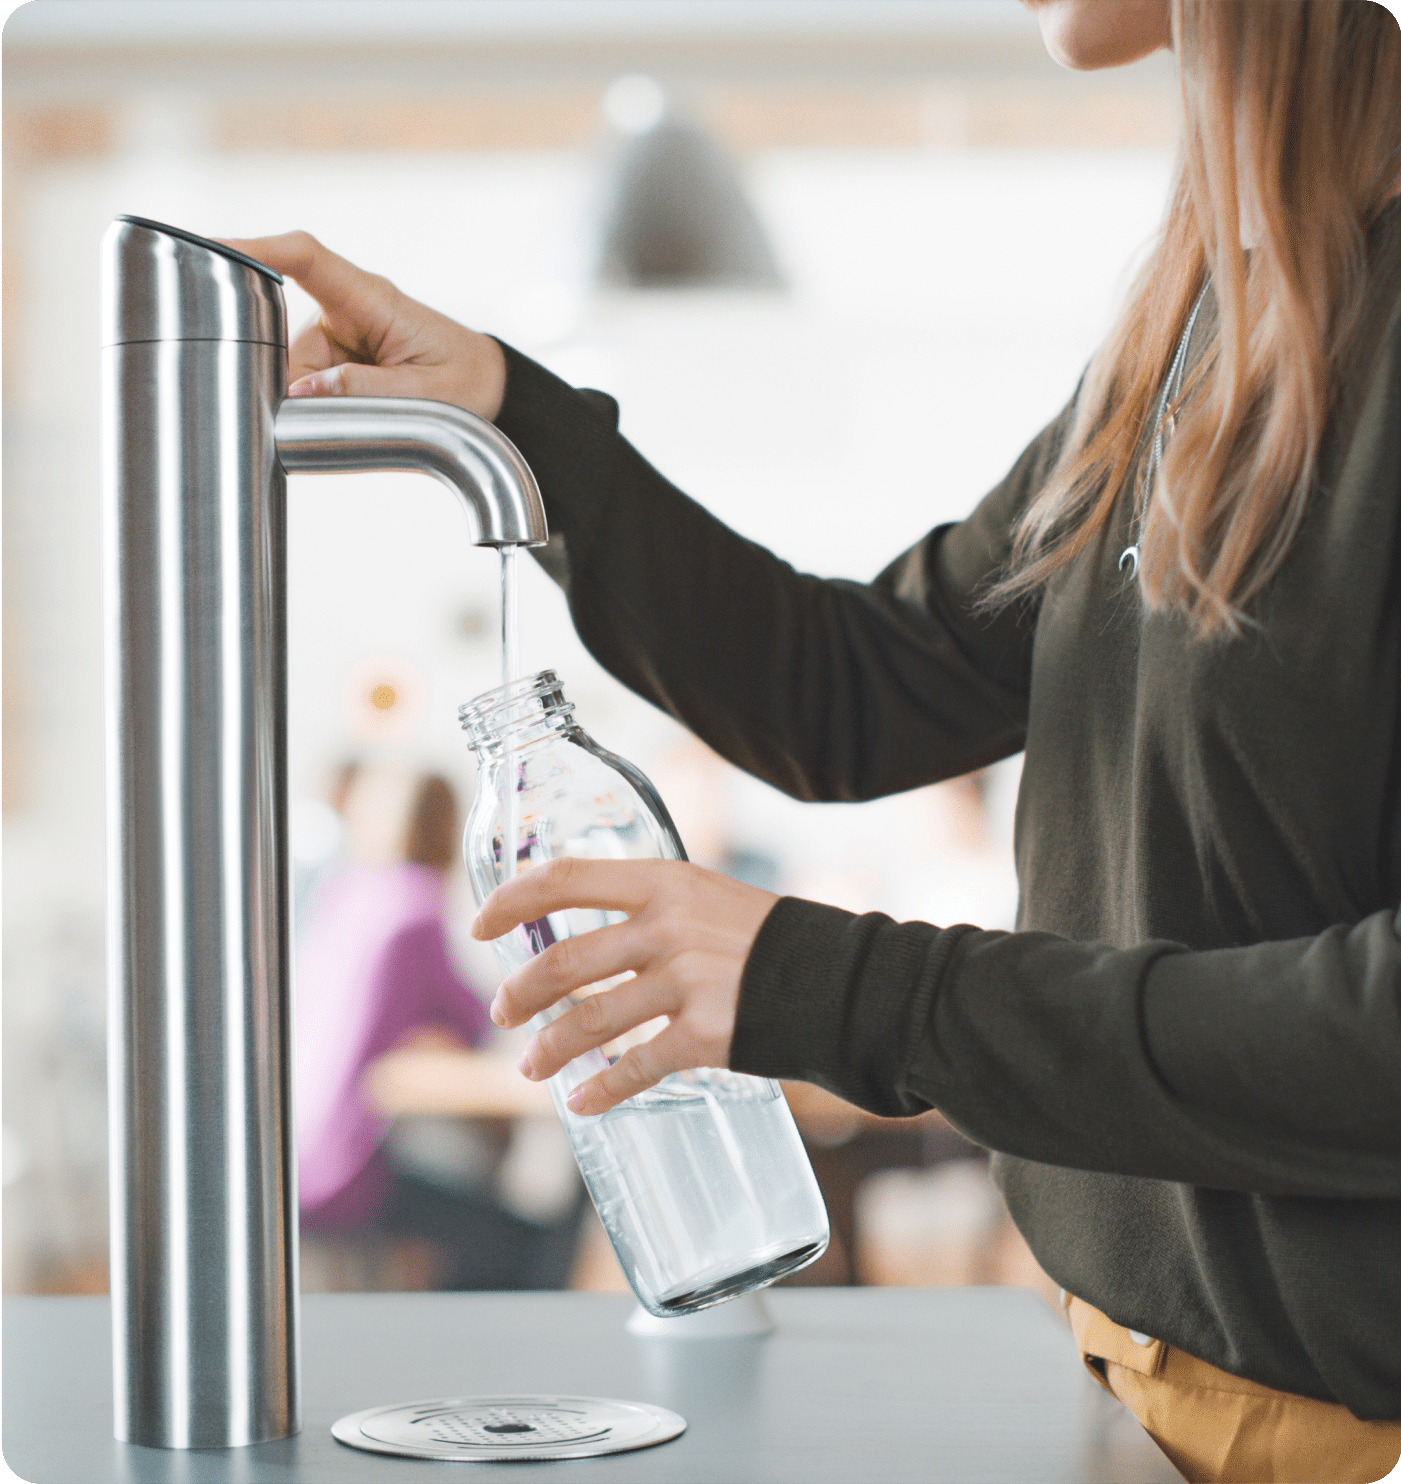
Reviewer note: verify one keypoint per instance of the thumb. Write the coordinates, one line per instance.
(351, 379)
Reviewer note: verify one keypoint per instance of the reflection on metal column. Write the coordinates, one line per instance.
(204, 1190)
(204, 1272)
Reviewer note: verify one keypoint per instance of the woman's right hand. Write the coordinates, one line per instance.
(369, 340)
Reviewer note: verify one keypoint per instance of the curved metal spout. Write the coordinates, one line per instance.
(354, 435)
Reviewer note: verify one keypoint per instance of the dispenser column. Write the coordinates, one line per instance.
(195, 442)
(204, 1267)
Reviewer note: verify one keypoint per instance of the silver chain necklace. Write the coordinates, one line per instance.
(1172, 389)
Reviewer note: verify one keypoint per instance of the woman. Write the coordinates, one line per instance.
(1183, 603)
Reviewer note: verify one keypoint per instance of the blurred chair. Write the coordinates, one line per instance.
(911, 1202)
(850, 1149)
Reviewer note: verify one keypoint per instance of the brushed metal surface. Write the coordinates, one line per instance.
(338, 435)
(204, 1177)
(488, 1429)
(161, 283)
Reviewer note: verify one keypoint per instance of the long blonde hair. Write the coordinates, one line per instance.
(1293, 124)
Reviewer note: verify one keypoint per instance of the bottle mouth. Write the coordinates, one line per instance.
(516, 713)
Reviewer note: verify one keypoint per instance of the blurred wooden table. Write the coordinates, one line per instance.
(427, 1077)
(426, 1080)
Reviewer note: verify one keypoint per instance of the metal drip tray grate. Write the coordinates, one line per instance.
(482, 1428)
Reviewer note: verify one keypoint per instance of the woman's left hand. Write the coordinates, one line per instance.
(686, 939)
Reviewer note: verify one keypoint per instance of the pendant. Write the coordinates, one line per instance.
(1129, 558)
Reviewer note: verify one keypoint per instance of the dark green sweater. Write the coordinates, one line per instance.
(1188, 1057)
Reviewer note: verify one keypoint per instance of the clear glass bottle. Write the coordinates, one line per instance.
(702, 1182)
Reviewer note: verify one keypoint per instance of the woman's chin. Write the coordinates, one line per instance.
(1087, 35)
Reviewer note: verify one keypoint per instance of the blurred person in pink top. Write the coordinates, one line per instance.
(372, 967)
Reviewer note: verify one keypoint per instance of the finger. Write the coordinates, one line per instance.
(329, 278)
(564, 967)
(312, 349)
(359, 306)
(635, 1071)
(599, 1019)
(611, 886)
(285, 252)
(352, 379)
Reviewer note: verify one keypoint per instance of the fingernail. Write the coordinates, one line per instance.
(306, 387)
(497, 1016)
(526, 1070)
(475, 929)
(575, 1100)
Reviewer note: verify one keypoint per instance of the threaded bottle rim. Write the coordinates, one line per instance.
(515, 714)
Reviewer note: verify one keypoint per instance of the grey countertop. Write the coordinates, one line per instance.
(960, 1384)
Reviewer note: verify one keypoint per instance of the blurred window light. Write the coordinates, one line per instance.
(14, 1158)
(316, 831)
(82, 22)
(635, 103)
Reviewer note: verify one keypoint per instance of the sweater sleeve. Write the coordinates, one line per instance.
(1273, 1068)
(827, 689)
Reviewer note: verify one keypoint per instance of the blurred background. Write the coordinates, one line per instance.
(831, 256)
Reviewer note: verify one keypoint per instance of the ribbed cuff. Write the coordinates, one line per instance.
(839, 1000)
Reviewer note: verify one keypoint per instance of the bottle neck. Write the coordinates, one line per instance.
(516, 715)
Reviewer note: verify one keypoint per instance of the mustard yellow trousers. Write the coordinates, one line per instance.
(1215, 1426)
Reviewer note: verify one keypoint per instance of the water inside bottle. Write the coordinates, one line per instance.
(703, 1187)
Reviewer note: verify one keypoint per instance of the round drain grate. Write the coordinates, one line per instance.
(481, 1428)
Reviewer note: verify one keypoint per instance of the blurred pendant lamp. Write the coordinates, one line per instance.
(676, 216)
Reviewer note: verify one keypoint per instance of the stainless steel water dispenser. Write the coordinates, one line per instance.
(196, 444)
